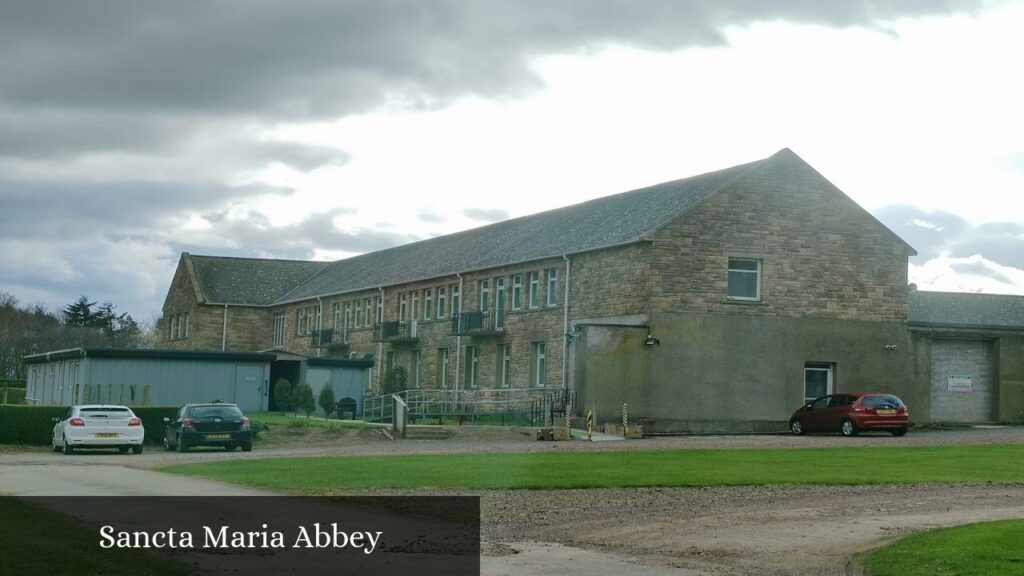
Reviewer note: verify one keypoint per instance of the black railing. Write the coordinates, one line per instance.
(323, 338)
(396, 332)
(477, 323)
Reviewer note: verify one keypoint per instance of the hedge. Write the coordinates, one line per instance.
(14, 395)
(34, 424)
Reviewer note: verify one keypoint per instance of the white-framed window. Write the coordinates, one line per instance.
(818, 380)
(300, 322)
(472, 366)
(279, 327)
(441, 310)
(380, 309)
(186, 331)
(506, 365)
(368, 307)
(744, 279)
(517, 292)
(534, 289)
(359, 313)
(174, 326)
(499, 302)
(553, 287)
(403, 306)
(442, 367)
(456, 299)
(538, 363)
(415, 305)
(428, 303)
(348, 318)
(336, 316)
(309, 320)
(485, 294)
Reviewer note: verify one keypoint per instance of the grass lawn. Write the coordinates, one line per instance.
(985, 549)
(38, 541)
(557, 470)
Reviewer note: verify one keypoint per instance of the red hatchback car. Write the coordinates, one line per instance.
(852, 412)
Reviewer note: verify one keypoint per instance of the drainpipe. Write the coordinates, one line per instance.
(380, 345)
(565, 323)
(224, 331)
(458, 337)
(319, 323)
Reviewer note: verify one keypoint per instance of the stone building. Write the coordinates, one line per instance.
(716, 302)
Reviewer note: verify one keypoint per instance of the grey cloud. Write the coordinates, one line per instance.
(979, 269)
(254, 60)
(485, 215)
(431, 217)
(65, 211)
(935, 233)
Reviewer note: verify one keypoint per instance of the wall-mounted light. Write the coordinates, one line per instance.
(890, 347)
(650, 340)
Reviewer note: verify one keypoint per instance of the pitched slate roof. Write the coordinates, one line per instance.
(608, 221)
(249, 281)
(966, 310)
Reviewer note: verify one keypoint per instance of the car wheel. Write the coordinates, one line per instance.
(247, 447)
(67, 447)
(182, 445)
(848, 428)
(122, 449)
(137, 449)
(796, 427)
(230, 447)
(167, 445)
(899, 432)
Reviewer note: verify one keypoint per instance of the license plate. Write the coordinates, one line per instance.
(218, 436)
(106, 435)
(886, 412)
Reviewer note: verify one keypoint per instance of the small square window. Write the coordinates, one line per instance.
(744, 279)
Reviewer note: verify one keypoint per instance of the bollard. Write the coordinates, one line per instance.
(590, 424)
(625, 416)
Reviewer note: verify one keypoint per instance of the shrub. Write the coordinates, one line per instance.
(395, 380)
(283, 395)
(33, 425)
(256, 426)
(326, 401)
(302, 396)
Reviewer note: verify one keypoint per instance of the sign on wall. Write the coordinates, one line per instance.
(959, 384)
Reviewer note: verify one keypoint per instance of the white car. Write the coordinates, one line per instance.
(98, 426)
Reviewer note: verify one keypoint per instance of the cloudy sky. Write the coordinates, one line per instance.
(132, 131)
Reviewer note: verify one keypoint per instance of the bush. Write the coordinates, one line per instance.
(33, 425)
(326, 401)
(283, 395)
(302, 396)
(394, 380)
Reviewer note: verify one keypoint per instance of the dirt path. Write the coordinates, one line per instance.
(811, 530)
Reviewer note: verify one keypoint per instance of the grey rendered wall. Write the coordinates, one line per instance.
(974, 358)
(345, 381)
(1010, 370)
(176, 382)
(740, 373)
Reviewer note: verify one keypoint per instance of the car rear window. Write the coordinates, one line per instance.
(882, 401)
(105, 412)
(216, 412)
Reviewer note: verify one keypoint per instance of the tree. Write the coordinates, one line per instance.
(80, 313)
(302, 396)
(394, 380)
(326, 401)
(283, 395)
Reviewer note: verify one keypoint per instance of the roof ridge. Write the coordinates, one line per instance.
(261, 259)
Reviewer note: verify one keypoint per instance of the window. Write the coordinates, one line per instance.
(368, 306)
(428, 303)
(359, 314)
(456, 299)
(380, 309)
(538, 363)
(336, 316)
(441, 311)
(402, 305)
(499, 303)
(744, 279)
(415, 369)
(817, 380)
(300, 321)
(348, 318)
(472, 366)
(279, 330)
(186, 335)
(485, 294)
(534, 289)
(174, 326)
(517, 291)
(415, 305)
(553, 287)
(310, 320)
(506, 365)
(442, 367)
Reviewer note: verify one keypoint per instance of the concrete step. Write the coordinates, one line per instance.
(418, 433)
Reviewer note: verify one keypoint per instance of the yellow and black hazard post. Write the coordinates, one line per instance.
(590, 424)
